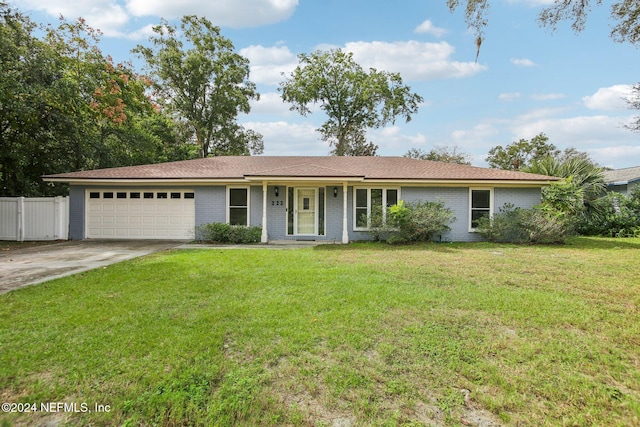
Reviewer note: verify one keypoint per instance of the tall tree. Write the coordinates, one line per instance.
(29, 119)
(520, 154)
(624, 13)
(353, 99)
(207, 85)
(65, 106)
(634, 102)
(441, 153)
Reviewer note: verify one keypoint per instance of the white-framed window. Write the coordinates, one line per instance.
(238, 205)
(480, 205)
(369, 201)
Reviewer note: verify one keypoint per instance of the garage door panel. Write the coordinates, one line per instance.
(124, 216)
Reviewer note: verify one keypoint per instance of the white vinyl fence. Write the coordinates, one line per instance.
(34, 218)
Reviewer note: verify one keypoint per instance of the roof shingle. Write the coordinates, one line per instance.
(622, 175)
(239, 167)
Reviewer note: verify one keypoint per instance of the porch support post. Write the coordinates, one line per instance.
(264, 237)
(345, 231)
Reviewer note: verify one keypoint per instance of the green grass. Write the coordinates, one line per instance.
(436, 334)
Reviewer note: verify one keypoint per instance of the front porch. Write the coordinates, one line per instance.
(305, 211)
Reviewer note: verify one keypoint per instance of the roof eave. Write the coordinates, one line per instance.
(143, 181)
(304, 178)
(332, 179)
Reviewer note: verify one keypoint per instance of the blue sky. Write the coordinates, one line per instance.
(527, 80)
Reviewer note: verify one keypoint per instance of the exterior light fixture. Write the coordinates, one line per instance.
(276, 192)
(335, 191)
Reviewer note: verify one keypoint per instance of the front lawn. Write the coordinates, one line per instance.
(364, 334)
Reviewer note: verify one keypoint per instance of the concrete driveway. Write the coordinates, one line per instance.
(27, 266)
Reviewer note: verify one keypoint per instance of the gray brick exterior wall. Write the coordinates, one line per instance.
(519, 197)
(76, 212)
(256, 206)
(210, 206)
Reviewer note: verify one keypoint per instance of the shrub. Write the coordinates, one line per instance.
(412, 222)
(224, 233)
(517, 225)
(613, 215)
(505, 226)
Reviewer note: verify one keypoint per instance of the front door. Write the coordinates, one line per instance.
(306, 211)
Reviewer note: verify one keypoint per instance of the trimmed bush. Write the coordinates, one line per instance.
(517, 225)
(217, 232)
(412, 222)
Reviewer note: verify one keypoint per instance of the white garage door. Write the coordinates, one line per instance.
(140, 214)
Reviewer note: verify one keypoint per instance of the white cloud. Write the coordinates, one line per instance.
(547, 96)
(268, 63)
(288, 139)
(112, 16)
(231, 13)
(392, 141)
(414, 60)
(621, 155)
(523, 62)
(270, 103)
(476, 136)
(427, 27)
(510, 96)
(579, 131)
(539, 114)
(105, 15)
(609, 98)
(140, 34)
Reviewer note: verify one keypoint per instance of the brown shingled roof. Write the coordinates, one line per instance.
(240, 167)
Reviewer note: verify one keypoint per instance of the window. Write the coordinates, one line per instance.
(238, 206)
(176, 195)
(134, 195)
(94, 195)
(480, 205)
(107, 195)
(148, 195)
(189, 195)
(370, 201)
(121, 195)
(162, 195)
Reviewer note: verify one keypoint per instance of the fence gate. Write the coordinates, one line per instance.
(34, 218)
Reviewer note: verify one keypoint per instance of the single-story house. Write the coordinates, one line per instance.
(622, 180)
(291, 198)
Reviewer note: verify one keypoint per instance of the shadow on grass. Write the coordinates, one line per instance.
(581, 242)
(590, 242)
(382, 246)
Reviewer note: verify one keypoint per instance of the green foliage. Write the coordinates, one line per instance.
(218, 232)
(379, 335)
(613, 215)
(441, 154)
(517, 225)
(634, 103)
(353, 99)
(623, 12)
(411, 222)
(564, 197)
(519, 155)
(586, 175)
(206, 85)
(65, 106)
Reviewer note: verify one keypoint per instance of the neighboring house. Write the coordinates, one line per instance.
(291, 198)
(622, 180)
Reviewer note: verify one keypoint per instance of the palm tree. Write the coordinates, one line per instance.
(585, 174)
